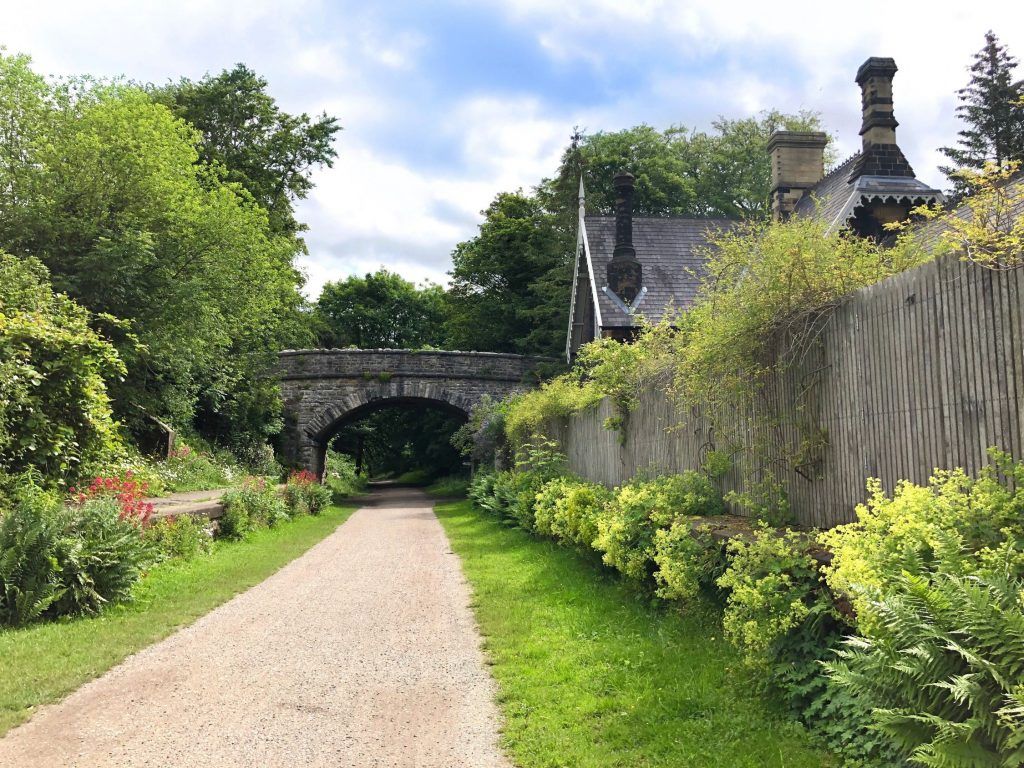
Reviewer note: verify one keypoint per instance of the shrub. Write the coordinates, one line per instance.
(482, 438)
(956, 524)
(943, 669)
(515, 494)
(626, 531)
(577, 511)
(773, 591)
(31, 550)
(106, 555)
(126, 492)
(304, 494)
(686, 560)
(55, 414)
(545, 502)
(785, 626)
(256, 504)
(341, 477)
(179, 537)
(67, 559)
(481, 489)
(234, 523)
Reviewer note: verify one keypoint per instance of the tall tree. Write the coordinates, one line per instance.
(380, 310)
(495, 297)
(108, 189)
(269, 152)
(992, 110)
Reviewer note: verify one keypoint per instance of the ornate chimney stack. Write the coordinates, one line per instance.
(880, 155)
(798, 163)
(625, 275)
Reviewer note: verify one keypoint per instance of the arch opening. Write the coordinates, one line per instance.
(404, 438)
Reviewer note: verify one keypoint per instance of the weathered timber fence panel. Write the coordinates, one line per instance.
(923, 370)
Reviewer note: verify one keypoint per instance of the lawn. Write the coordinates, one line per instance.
(42, 663)
(592, 674)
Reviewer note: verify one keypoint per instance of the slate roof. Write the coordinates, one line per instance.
(668, 248)
(837, 196)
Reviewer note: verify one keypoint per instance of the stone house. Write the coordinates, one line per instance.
(628, 268)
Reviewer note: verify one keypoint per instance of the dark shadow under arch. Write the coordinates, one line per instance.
(323, 437)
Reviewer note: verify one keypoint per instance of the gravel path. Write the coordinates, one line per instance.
(362, 652)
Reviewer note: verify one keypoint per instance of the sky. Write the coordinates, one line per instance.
(445, 104)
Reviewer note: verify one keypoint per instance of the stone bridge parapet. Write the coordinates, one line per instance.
(322, 389)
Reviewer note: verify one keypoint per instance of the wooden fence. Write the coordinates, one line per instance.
(923, 370)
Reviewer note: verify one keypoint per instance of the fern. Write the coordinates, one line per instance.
(943, 669)
(30, 539)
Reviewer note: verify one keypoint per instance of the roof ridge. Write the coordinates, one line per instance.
(667, 217)
(840, 167)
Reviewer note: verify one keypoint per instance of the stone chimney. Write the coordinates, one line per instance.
(625, 275)
(798, 163)
(880, 156)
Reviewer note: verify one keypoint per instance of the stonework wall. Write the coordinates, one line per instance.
(323, 388)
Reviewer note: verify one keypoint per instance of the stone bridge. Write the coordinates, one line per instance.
(323, 389)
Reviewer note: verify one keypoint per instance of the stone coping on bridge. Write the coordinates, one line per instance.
(388, 350)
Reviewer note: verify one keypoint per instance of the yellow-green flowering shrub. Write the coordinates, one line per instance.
(773, 586)
(577, 512)
(545, 501)
(638, 509)
(686, 559)
(956, 524)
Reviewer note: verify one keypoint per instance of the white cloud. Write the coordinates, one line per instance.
(423, 152)
(385, 213)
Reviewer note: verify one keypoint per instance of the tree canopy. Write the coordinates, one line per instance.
(111, 191)
(992, 111)
(268, 152)
(381, 310)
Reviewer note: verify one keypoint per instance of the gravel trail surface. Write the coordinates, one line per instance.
(362, 652)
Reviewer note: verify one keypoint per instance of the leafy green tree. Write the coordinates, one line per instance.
(509, 287)
(108, 189)
(55, 415)
(679, 172)
(992, 110)
(269, 152)
(380, 310)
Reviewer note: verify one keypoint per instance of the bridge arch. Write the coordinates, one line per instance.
(325, 388)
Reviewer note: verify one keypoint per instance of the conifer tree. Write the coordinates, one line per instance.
(992, 110)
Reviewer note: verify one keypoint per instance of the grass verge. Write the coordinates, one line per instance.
(592, 675)
(43, 663)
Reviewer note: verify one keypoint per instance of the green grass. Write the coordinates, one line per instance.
(591, 673)
(43, 663)
(448, 488)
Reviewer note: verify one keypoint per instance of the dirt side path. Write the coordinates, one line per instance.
(362, 652)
